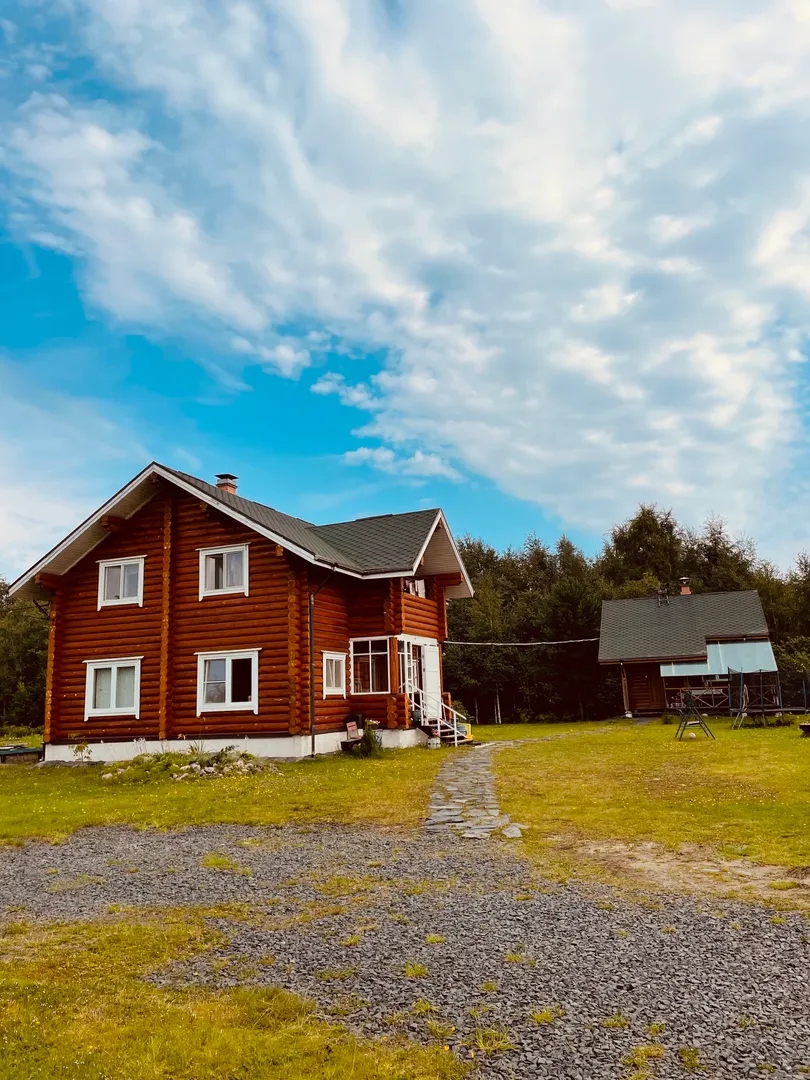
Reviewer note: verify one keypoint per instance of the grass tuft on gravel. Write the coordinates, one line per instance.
(53, 802)
(74, 1004)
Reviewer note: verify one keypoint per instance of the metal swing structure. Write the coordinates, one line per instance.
(692, 717)
(753, 694)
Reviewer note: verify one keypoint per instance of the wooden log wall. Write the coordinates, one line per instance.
(369, 607)
(85, 633)
(331, 635)
(235, 621)
(166, 681)
(420, 616)
(50, 672)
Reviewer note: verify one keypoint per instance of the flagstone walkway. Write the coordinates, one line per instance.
(463, 801)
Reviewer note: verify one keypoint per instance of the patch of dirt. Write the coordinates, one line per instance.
(697, 870)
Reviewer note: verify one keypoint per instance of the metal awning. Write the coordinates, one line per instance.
(722, 655)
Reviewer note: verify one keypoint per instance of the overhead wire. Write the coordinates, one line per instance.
(512, 644)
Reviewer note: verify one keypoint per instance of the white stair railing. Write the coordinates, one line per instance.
(447, 719)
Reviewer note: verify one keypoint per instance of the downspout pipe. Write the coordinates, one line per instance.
(312, 595)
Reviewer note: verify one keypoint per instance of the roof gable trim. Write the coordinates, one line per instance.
(441, 519)
(154, 469)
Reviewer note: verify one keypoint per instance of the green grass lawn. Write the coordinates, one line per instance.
(18, 738)
(747, 794)
(391, 789)
(73, 1004)
(496, 732)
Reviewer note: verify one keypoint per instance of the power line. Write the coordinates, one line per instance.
(511, 644)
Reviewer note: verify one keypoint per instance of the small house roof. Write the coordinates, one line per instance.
(679, 627)
(390, 545)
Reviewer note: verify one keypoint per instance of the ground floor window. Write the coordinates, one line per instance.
(113, 687)
(334, 674)
(228, 681)
(370, 674)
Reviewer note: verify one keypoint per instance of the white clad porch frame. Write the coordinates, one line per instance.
(431, 671)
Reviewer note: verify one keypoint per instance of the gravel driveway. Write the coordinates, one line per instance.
(342, 912)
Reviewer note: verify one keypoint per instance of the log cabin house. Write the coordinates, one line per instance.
(182, 611)
(714, 645)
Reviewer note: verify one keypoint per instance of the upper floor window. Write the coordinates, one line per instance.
(370, 666)
(334, 674)
(120, 581)
(415, 587)
(113, 687)
(224, 570)
(228, 681)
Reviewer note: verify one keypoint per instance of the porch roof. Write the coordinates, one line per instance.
(725, 656)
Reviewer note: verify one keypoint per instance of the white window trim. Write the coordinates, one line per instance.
(116, 662)
(370, 693)
(240, 589)
(102, 566)
(226, 706)
(341, 690)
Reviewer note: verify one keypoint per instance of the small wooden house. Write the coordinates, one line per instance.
(715, 645)
(181, 611)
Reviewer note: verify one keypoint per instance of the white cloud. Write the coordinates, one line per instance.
(574, 237)
(46, 486)
(286, 358)
(91, 174)
(419, 464)
(358, 396)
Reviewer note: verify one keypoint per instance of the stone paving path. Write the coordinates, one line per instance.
(463, 801)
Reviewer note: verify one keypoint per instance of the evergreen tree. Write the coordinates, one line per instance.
(23, 658)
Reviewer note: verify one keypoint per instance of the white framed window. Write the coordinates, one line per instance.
(224, 570)
(334, 674)
(228, 681)
(370, 667)
(113, 687)
(120, 581)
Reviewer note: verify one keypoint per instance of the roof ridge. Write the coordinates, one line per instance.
(377, 517)
(679, 596)
(255, 502)
(381, 543)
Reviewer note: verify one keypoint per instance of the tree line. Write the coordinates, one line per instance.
(536, 593)
(543, 593)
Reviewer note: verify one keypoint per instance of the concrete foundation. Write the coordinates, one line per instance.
(290, 747)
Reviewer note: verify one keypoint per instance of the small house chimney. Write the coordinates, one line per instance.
(227, 482)
(685, 590)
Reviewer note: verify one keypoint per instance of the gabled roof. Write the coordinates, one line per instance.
(393, 545)
(377, 543)
(677, 628)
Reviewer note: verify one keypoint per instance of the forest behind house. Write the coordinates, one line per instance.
(537, 593)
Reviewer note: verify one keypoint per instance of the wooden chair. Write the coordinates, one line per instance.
(353, 737)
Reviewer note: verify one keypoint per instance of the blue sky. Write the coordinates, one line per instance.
(533, 262)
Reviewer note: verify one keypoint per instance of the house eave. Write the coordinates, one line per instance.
(93, 533)
(657, 659)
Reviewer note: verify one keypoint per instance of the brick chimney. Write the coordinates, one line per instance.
(227, 482)
(685, 590)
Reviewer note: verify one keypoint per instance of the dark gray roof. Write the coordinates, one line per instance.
(643, 629)
(390, 542)
(383, 544)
